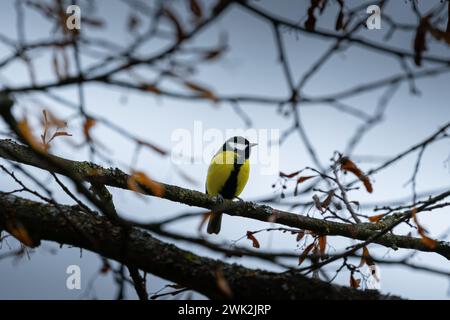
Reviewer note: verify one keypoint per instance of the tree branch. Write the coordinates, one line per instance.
(114, 177)
(46, 222)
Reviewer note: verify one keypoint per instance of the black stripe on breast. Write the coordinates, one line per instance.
(228, 190)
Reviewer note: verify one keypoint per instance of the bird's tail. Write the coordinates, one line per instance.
(215, 221)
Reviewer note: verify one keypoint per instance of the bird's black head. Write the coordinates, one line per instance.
(240, 145)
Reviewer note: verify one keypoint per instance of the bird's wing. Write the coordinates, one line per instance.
(219, 170)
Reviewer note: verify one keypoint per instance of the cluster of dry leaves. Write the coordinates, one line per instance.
(318, 246)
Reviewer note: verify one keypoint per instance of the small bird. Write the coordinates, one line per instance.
(228, 174)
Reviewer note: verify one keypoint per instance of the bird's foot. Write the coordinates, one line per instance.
(218, 199)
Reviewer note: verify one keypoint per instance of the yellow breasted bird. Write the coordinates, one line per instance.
(228, 174)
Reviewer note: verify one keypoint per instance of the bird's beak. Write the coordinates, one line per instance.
(253, 144)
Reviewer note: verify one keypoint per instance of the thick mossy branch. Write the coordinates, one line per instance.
(62, 225)
(116, 178)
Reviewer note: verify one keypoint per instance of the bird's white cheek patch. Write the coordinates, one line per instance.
(236, 146)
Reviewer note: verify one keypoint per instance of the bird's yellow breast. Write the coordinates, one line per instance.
(220, 171)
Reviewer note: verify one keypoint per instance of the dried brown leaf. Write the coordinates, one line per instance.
(288, 175)
(151, 88)
(28, 136)
(204, 92)
(106, 267)
(430, 243)
(317, 202)
(349, 165)
(138, 179)
(61, 133)
(89, 123)
(310, 23)
(354, 283)
(51, 120)
(301, 180)
(376, 218)
(419, 40)
(196, 9)
(339, 21)
(328, 199)
(57, 134)
(18, 231)
(322, 245)
(300, 235)
(251, 237)
(213, 54)
(440, 35)
(304, 178)
(366, 258)
(423, 232)
(305, 253)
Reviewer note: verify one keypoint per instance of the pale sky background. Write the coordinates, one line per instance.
(249, 67)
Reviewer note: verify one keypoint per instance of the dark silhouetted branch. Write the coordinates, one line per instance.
(45, 222)
(114, 177)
